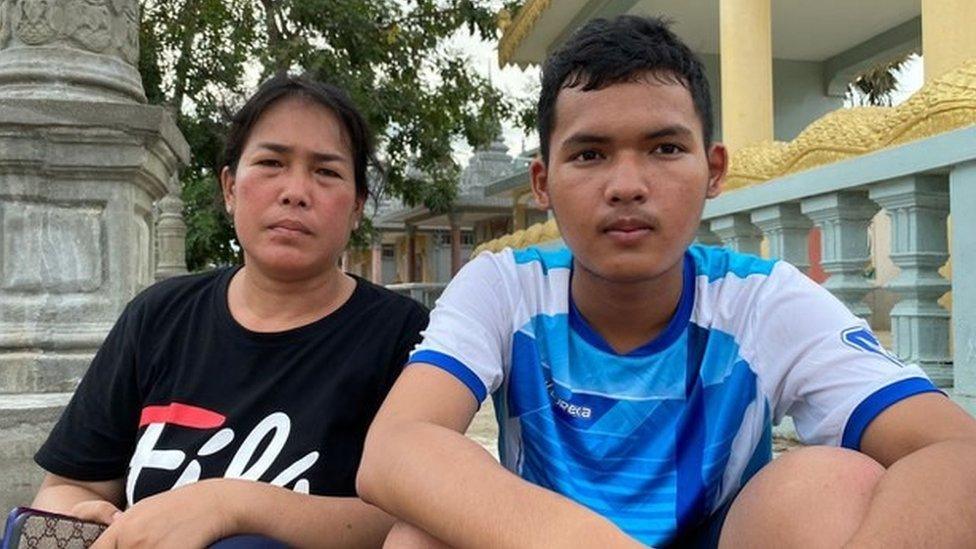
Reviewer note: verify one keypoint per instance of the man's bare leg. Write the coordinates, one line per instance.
(810, 497)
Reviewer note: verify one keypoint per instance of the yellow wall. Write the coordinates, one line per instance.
(948, 35)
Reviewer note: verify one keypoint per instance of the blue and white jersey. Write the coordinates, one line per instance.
(658, 438)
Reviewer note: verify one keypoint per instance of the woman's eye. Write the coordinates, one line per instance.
(326, 172)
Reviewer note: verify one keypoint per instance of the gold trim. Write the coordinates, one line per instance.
(945, 104)
(515, 31)
(536, 234)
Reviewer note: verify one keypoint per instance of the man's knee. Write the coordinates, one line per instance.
(809, 495)
(407, 536)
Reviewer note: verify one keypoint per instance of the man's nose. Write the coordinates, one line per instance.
(627, 182)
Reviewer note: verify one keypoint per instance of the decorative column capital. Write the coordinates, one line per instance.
(77, 50)
(738, 233)
(787, 230)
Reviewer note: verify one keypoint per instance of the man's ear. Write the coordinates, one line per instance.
(227, 189)
(539, 177)
(718, 166)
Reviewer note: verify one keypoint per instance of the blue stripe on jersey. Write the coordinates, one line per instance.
(878, 402)
(716, 263)
(550, 258)
(454, 367)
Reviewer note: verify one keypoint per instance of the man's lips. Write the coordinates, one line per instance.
(628, 230)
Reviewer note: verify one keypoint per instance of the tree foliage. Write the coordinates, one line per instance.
(201, 58)
(876, 85)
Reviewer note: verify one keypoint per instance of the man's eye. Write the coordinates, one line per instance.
(587, 156)
(668, 148)
(269, 162)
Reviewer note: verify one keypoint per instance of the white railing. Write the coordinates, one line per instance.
(424, 292)
(919, 184)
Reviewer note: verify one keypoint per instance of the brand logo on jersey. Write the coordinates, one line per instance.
(572, 410)
(243, 464)
(862, 339)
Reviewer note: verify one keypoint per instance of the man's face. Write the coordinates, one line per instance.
(627, 176)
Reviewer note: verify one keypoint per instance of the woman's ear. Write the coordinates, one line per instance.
(227, 189)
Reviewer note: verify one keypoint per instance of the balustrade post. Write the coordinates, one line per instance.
(170, 237)
(843, 219)
(918, 206)
(705, 235)
(962, 204)
(787, 230)
(738, 233)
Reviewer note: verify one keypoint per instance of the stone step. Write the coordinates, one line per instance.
(25, 421)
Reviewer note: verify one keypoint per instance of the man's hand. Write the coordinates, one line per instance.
(191, 516)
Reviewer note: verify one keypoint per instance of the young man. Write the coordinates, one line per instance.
(635, 378)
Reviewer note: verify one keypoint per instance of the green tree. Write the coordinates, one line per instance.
(420, 96)
(876, 85)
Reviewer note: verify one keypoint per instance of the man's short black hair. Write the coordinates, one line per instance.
(604, 52)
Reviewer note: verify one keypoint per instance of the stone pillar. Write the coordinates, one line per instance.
(170, 237)
(918, 206)
(962, 203)
(787, 231)
(455, 244)
(843, 219)
(376, 257)
(83, 162)
(738, 233)
(746, 57)
(411, 253)
(948, 39)
(76, 50)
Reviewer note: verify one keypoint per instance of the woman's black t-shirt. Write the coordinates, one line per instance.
(179, 391)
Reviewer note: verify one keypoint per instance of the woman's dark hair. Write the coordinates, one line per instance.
(604, 52)
(283, 86)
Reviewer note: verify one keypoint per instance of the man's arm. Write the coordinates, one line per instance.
(928, 445)
(418, 466)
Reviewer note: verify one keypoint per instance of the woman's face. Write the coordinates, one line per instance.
(293, 196)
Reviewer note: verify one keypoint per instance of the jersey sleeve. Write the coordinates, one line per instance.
(95, 435)
(820, 364)
(470, 327)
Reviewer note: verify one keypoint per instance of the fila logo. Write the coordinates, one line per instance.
(156, 418)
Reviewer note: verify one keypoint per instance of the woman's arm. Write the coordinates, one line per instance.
(94, 501)
(201, 513)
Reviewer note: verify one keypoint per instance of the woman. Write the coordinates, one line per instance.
(271, 371)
